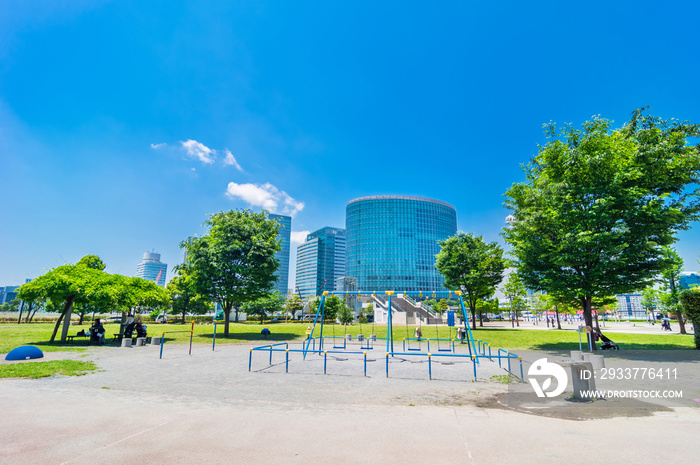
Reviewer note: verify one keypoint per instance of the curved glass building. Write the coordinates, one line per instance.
(392, 241)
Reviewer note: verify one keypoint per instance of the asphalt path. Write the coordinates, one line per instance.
(207, 408)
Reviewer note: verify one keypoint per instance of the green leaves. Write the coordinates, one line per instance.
(235, 262)
(599, 204)
(471, 265)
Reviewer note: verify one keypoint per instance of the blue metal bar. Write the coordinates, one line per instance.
(465, 321)
(430, 367)
(474, 364)
(387, 364)
(389, 329)
(521, 369)
(270, 354)
(325, 358)
(365, 363)
(213, 344)
(162, 341)
(310, 338)
(286, 363)
(250, 359)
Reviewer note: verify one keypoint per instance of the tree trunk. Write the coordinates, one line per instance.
(21, 308)
(82, 315)
(56, 326)
(33, 313)
(558, 321)
(66, 319)
(481, 319)
(681, 323)
(512, 323)
(587, 303)
(29, 312)
(227, 316)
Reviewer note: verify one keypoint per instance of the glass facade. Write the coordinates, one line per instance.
(392, 242)
(152, 269)
(282, 255)
(321, 259)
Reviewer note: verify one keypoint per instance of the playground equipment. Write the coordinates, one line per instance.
(315, 343)
(191, 331)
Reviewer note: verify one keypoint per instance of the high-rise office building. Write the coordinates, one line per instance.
(321, 261)
(282, 255)
(152, 269)
(392, 241)
(8, 294)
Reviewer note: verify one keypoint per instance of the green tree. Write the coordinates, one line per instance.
(235, 261)
(670, 279)
(472, 266)
(488, 305)
(332, 306)
(599, 204)
(184, 297)
(650, 300)
(266, 305)
(345, 315)
(515, 293)
(294, 305)
(67, 284)
(690, 300)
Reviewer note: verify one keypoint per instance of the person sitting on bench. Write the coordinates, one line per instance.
(97, 332)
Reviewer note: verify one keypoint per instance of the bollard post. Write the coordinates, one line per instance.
(325, 354)
(213, 344)
(499, 358)
(250, 359)
(191, 334)
(428, 345)
(474, 364)
(270, 354)
(430, 367)
(489, 351)
(365, 353)
(162, 340)
(286, 368)
(521, 369)
(387, 364)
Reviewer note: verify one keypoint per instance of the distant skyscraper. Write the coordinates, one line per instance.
(321, 259)
(8, 294)
(282, 254)
(393, 240)
(152, 269)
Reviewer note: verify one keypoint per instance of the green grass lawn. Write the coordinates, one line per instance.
(35, 370)
(12, 335)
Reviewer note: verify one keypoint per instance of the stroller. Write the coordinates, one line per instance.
(607, 343)
(140, 330)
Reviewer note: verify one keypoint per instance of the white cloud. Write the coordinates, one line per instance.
(231, 160)
(158, 146)
(266, 196)
(199, 151)
(298, 237)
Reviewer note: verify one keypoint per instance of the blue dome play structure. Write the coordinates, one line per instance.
(24, 353)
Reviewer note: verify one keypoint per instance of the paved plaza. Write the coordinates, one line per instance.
(208, 408)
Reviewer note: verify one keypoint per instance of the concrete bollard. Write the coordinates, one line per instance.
(360, 337)
(140, 341)
(576, 355)
(583, 380)
(155, 340)
(348, 337)
(126, 342)
(373, 337)
(598, 361)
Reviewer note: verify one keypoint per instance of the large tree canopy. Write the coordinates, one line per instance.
(599, 204)
(472, 266)
(67, 284)
(235, 262)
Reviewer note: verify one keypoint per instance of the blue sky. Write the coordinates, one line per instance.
(122, 124)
